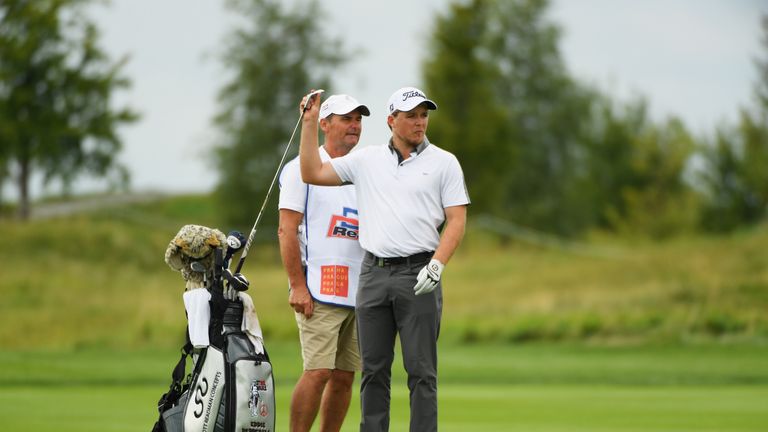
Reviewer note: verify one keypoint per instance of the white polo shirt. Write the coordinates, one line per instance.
(401, 204)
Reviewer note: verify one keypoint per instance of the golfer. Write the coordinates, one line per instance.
(406, 190)
(322, 256)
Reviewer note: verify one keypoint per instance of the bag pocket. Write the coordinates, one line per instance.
(173, 418)
(254, 404)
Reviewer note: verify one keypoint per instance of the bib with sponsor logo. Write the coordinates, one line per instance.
(331, 249)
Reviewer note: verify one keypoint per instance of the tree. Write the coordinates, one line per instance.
(275, 59)
(633, 170)
(55, 89)
(735, 176)
(509, 110)
(605, 161)
(657, 201)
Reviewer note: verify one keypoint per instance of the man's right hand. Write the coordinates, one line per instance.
(301, 301)
(311, 103)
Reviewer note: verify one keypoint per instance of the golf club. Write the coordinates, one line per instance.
(235, 242)
(198, 267)
(272, 185)
(237, 281)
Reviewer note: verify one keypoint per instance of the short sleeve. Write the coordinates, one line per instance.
(453, 189)
(293, 191)
(345, 166)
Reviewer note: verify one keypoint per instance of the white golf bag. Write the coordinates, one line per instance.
(231, 387)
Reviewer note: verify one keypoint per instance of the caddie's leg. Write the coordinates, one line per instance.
(338, 391)
(319, 340)
(376, 337)
(305, 401)
(418, 318)
(335, 403)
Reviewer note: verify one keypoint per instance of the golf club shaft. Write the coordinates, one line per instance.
(272, 185)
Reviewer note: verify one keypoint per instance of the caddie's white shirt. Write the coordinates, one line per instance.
(402, 203)
(328, 234)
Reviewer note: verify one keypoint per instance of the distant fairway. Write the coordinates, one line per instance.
(482, 388)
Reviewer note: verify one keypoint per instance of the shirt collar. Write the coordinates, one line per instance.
(417, 151)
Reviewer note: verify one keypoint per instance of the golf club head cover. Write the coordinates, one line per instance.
(235, 241)
(236, 281)
(193, 243)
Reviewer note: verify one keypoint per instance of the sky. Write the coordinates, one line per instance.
(690, 58)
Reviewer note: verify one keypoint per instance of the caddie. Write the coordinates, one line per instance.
(322, 256)
(407, 190)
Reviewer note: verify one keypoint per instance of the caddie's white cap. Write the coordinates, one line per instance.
(408, 98)
(342, 104)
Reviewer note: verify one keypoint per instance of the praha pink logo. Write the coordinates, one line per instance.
(345, 225)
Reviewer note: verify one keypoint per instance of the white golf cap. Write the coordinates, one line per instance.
(408, 98)
(342, 104)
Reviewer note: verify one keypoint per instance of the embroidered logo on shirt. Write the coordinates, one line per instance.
(345, 225)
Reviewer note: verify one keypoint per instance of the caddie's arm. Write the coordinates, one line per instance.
(313, 170)
(287, 232)
(453, 233)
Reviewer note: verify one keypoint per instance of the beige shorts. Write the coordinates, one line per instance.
(329, 338)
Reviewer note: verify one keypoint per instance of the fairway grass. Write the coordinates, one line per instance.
(482, 388)
(486, 408)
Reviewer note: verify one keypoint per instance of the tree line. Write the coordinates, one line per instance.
(538, 146)
(545, 150)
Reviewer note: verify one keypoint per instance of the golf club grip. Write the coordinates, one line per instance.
(310, 96)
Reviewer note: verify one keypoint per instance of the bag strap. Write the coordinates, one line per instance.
(178, 384)
(179, 370)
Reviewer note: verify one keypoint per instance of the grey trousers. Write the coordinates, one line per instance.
(386, 306)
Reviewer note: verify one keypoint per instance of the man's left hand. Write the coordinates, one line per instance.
(428, 277)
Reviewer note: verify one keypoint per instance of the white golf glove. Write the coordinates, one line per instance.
(428, 277)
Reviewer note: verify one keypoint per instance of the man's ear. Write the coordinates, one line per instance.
(390, 121)
(324, 123)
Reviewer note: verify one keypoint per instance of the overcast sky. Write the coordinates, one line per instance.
(692, 58)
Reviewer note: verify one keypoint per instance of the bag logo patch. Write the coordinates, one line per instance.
(201, 390)
(255, 404)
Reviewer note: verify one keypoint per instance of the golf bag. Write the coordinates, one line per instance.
(230, 387)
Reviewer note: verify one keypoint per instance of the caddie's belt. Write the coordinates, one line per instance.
(413, 259)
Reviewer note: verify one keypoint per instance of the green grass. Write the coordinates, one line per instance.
(710, 387)
(614, 334)
(98, 280)
(462, 408)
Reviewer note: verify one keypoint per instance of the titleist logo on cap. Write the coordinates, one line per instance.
(413, 93)
(407, 98)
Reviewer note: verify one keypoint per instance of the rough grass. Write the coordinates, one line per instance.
(686, 288)
(99, 280)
